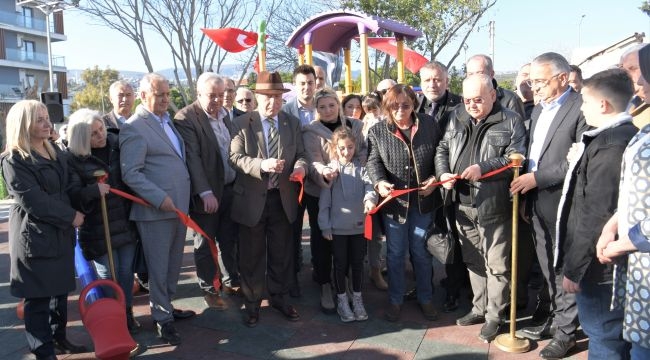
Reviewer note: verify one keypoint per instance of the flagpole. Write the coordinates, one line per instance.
(261, 41)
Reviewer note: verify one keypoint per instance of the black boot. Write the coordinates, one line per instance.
(131, 323)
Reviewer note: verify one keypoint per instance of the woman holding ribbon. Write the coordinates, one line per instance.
(95, 151)
(401, 154)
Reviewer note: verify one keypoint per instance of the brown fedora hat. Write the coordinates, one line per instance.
(270, 83)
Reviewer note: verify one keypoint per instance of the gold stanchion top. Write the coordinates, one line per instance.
(99, 173)
(516, 159)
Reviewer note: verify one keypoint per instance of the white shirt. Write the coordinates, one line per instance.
(549, 110)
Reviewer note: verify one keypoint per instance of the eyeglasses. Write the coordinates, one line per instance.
(241, 101)
(403, 107)
(540, 82)
(477, 101)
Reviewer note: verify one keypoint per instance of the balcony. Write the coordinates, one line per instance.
(11, 92)
(34, 58)
(19, 20)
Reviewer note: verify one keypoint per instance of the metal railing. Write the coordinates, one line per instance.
(34, 57)
(20, 20)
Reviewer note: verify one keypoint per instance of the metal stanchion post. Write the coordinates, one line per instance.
(509, 342)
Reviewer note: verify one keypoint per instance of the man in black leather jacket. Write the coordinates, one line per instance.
(478, 139)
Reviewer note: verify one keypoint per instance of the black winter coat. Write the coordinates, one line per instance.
(86, 198)
(41, 236)
(389, 160)
(591, 200)
(503, 133)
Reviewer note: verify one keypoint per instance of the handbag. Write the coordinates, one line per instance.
(440, 242)
(440, 245)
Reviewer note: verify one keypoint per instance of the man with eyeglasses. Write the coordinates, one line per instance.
(556, 124)
(207, 130)
(244, 100)
(479, 138)
(229, 100)
(638, 108)
(482, 64)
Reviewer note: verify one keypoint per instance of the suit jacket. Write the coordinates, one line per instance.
(565, 129)
(291, 108)
(110, 120)
(247, 150)
(447, 104)
(204, 160)
(151, 167)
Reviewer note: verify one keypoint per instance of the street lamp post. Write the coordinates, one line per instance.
(580, 29)
(48, 8)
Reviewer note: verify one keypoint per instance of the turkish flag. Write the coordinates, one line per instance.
(413, 61)
(232, 39)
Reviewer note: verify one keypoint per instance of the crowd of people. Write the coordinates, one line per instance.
(236, 160)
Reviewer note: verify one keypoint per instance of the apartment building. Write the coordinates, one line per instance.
(23, 53)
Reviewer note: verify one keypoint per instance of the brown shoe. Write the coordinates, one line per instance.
(378, 279)
(215, 301)
(232, 291)
(392, 313)
(430, 313)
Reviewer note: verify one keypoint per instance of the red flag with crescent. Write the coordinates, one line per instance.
(232, 39)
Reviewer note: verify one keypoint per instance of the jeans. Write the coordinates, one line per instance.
(639, 352)
(603, 326)
(412, 236)
(123, 261)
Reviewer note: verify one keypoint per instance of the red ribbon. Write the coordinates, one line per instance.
(186, 220)
(300, 180)
(367, 230)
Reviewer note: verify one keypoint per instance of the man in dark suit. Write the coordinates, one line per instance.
(153, 166)
(556, 123)
(207, 131)
(229, 99)
(436, 100)
(302, 107)
(267, 153)
(122, 97)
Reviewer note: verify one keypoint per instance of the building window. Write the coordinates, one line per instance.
(28, 50)
(28, 17)
(30, 81)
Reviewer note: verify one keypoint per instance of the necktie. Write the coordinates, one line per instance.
(433, 108)
(273, 150)
(172, 136)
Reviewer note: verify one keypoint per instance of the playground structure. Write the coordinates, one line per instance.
(332, 31)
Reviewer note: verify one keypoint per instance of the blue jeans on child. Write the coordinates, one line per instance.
(603, 326)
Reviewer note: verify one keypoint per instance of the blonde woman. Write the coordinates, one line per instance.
(41, 228)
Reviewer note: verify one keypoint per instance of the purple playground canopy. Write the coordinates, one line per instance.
(332, 30)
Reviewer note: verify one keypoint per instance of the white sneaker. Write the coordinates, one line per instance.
(359, 310)
(343, 308)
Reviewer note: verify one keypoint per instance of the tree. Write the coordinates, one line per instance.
(440, 21)
(177, 22)
(95, 93)
(645, 7)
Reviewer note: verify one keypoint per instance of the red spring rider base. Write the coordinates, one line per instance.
(105, 320)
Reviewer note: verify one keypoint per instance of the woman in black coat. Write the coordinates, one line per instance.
(401, 151)
(94, 149)
(41, 228)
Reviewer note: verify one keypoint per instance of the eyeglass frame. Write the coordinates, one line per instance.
(541, 82)
(403, 107)
(247, 101)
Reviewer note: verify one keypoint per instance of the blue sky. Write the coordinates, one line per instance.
(524, 29)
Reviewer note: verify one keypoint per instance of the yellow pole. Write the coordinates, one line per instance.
(301, 59)
(310, 59)
(363, 41)
(509, 342)
(107, 232)
(348, 71)
(400, 60)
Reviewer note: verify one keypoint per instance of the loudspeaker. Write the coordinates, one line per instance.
(54, 103)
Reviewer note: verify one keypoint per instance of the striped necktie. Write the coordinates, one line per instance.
(274, 178)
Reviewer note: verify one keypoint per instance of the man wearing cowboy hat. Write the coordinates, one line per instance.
(267, 153)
